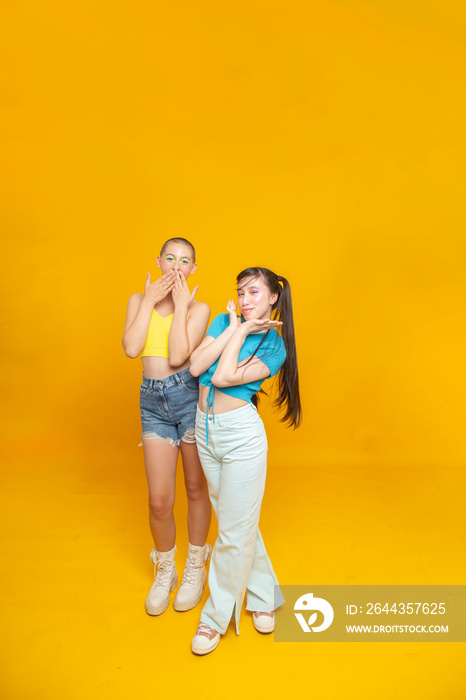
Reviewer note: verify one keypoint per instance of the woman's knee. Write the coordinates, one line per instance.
(196, 489)
(160, 507)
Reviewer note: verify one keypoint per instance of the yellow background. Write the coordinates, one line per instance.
(325, 140)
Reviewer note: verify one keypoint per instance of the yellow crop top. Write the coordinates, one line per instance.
(157, 338)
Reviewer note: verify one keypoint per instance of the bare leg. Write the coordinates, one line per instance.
(160, 459)
(199, 508)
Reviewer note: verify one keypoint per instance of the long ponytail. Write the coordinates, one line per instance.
(288, 398)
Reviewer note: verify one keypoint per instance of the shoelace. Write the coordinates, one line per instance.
(204, 630)
(191, 571)
(163, 573)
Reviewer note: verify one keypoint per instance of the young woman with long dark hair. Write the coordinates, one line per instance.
(236, 356)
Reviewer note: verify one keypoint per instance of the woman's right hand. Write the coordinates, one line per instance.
(231, 308)
(158, 290)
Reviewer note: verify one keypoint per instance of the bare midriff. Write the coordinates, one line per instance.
(159, 367)
(222, 402)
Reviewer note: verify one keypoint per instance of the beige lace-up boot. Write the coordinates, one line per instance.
(194, 578)
(166, 580)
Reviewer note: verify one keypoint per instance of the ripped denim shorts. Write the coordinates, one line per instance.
(168, 407)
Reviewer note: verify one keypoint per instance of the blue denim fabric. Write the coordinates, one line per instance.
(168, 406)
(235, 465)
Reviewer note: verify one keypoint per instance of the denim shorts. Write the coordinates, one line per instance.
(168, 407)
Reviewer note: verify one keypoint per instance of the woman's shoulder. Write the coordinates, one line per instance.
(200, 306)
(199, 312)
(218, 324)
(273, 353)
(221, 318)
(275, 338)
(275, 344)
(135, 300)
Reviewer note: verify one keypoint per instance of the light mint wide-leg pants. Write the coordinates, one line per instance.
(233, 451)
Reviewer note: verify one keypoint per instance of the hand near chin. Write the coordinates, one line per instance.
(158, 290)
(257, 325)
(180, 293)
(231, 308)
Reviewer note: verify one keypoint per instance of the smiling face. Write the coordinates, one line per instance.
(255, 299)
(177, 256)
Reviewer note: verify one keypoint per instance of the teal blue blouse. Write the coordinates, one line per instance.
(271, 352)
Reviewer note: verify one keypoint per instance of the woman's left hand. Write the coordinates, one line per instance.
(259, 325)
(180, 294)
